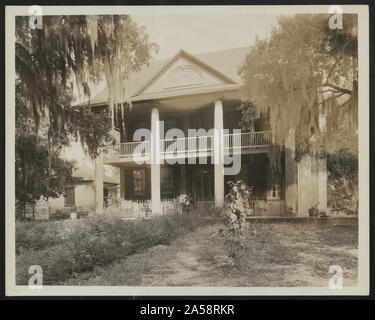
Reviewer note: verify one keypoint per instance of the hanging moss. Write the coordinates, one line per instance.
(67, 58)
(305, 75)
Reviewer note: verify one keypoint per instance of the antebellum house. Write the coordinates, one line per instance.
(201, 91)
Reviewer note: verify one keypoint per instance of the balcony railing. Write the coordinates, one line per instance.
(203, 144)
(190, 144)
(247, 140)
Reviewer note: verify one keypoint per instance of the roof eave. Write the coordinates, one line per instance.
(169, 95)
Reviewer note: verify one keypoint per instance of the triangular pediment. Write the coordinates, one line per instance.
(182, 72)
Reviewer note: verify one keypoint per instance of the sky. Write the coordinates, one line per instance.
(197, 33)
(204, 32)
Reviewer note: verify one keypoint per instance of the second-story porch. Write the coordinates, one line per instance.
(199, 120)
(197, 146)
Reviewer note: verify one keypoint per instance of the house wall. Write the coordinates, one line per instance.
(312, 184)
(85, 196)
(56, 203)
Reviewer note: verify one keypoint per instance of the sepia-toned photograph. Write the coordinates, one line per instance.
(187, 149)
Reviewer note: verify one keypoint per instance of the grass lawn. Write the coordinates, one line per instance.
(281, 253)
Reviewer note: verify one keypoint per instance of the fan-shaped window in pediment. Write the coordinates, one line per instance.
(183, 76)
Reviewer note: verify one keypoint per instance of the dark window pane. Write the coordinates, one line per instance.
(69, 197)
(167, 182)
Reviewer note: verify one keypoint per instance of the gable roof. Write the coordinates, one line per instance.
(224, 63)
(192, 58)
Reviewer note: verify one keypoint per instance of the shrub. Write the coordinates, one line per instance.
(342, 189)
(56, 262)
(59, 215)
(36, 235)
(185, 202)
(81, 213)
(99, 240)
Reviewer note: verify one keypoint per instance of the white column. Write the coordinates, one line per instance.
(155, 162)
(322, 181)
(291, 173)
(312, 184)
(314, 180)
(98, 183)
(304, 185)
(219, 166)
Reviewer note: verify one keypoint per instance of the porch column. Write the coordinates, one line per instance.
(314, 180)
(312, 183)
(98, 183)
(305, 184)
(322, 181)
(219, 166)
(291, 173)
(155, 162)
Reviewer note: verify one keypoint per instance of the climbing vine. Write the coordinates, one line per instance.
(237, 201)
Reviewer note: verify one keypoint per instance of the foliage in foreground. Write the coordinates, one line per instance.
(82, 245)
(297, 87)
(237, 200)
(40, 170)
(71, 54)
(343, 181)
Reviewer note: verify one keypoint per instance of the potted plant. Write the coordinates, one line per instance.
(323, 214)
(313, 210)
(185, 202)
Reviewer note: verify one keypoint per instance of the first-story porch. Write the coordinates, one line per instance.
(200, 183)
(198, 180)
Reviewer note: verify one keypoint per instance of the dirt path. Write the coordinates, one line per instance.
(192, 260)
(183, 267)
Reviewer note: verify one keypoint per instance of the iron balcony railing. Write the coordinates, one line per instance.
(231, 142)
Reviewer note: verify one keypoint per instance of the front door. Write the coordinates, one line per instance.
(202, 182)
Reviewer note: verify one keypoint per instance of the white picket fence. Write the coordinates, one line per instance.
(204, 206)
(134, 209)
(130, 209)
(169, 206)
(200, 207)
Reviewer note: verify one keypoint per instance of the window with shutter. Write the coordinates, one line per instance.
(139, 182)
